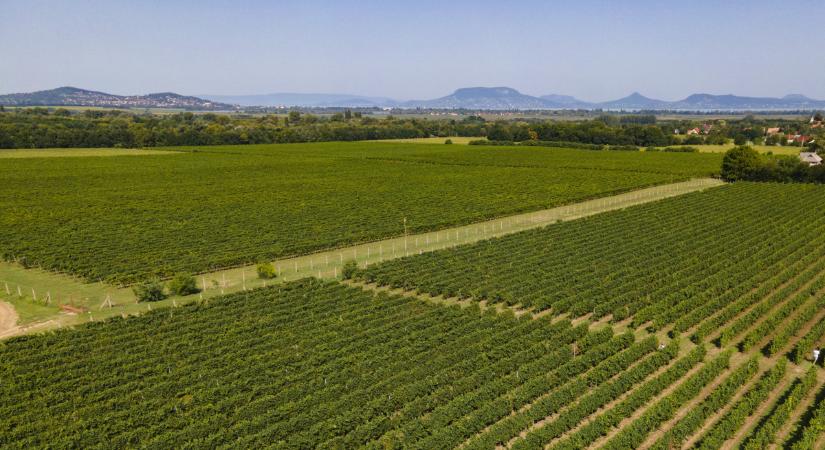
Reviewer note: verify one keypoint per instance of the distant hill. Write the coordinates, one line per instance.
(483, 98)
(634, 101)
(72, 96)
(567, 101)
(735, 102)
(473, 98)
(304, 100)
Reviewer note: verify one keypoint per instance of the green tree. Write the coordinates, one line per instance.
(740, 163)
(266, 271)
(183, 284)
(149, 291)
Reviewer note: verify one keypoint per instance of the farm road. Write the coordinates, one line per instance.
(8, 318)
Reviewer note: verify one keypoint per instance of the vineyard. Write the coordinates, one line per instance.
(668, 264)
(685, 323)
(121, 219)
(318, 364)
(739, 270)
(302, 365)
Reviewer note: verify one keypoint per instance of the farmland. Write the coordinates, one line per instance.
(272, 365)
(626, 322)
(124, 219)
(663, 325)
(648, 263)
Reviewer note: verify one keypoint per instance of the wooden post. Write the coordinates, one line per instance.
(7, 288)
(34, 295)
(203, 283)
(243, 278)
(19, 292)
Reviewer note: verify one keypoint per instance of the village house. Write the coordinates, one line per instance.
(811, 158)
(798, 139)
(772, 131)
(692, 131)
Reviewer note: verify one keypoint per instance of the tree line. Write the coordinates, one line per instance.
(743, 163)
(41, 128)
(44, 128)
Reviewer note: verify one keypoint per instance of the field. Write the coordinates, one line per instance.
(680, 316)
(336, 367)
(654, 262)
(673, 324)
(79, 152)
(122, 219)
(434, 140)
(775, 149)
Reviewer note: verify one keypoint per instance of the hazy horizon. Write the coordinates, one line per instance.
(593, 50)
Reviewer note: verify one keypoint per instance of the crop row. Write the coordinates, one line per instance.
(127, 219)
(679, 262)
(734, 418)
(305, 364)
(595, 399)
(634, 434)
(765, 434)
(640, 396)
(814, 429)
(676, 435)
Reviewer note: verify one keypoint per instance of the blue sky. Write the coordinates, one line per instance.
(595, 50)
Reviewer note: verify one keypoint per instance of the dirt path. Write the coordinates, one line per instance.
(8, 318)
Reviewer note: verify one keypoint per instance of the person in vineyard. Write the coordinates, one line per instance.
(816, 355)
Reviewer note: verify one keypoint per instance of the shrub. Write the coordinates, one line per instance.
(149, 291)
(266, 271)
(740, 163)
(183, 284)
(448, 141)
(349, 269)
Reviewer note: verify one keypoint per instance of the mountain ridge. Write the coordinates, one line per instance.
(472, 98)
(72, 96)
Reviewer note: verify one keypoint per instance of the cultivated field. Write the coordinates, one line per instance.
(681, 316)
(126, 219)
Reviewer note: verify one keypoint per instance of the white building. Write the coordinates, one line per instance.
(811, 158)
